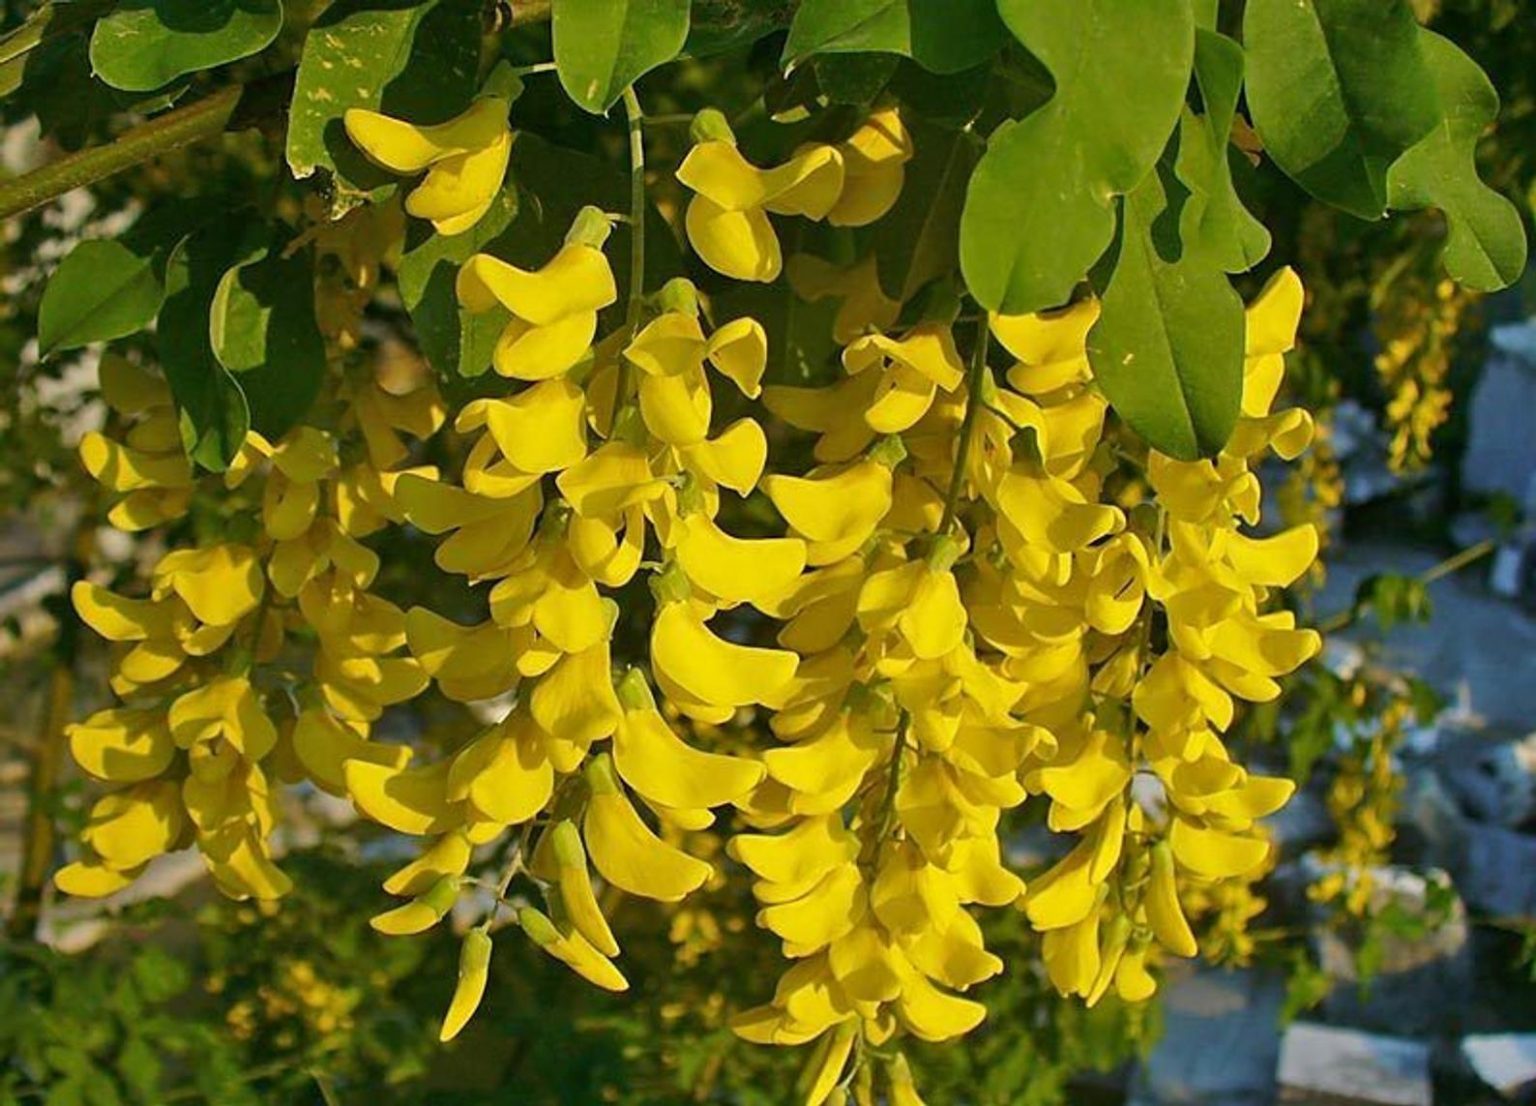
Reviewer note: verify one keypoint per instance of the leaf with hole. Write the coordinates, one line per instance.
(1040, 208)
(1339, 91)
(145, 44)
(604, 46)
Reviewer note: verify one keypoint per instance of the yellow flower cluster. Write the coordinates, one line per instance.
(1416, 322)
(192, 755)
(982, 591)
(1363, 797)
(850, 184)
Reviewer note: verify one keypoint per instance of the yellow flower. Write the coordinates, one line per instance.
(474, 970)
(123, 745)
(220, 584)
(506, 775)
(573, 949)
(465, 159)
(149, 468)
(324, 744)
(1051, 347)
(736, 570)
(670, 351)
(225, 709)
(836, 510)
(727, 219)
(128, 828)
(663, 768)
(625, 850)
(911, 368)
(698, 670)
(874, 168)
(554, 309)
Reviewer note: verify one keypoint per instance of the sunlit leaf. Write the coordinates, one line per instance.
(1040, 210)
(1168, 347)
(1485, 248)
(603, 46)
(101, 290)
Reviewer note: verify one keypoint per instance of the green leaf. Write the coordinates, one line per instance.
(261, 325)
(100, 291)
(952, 100)
(1168, 347)
(71, 105)
(145, 44)
(718, 26)
(919, 238)
(857, 79)
(1485, 248)
(943, 36)
(1040, 212)
(214, 413)
(411, 59)
(139, 1067)
(603, 46)
(1338, 90)
(1215, 219)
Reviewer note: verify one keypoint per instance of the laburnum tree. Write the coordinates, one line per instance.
(827, 430)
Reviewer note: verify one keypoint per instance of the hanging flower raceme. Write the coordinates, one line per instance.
(195, 753)
(189, 773)
(148, 468)
(966, 589)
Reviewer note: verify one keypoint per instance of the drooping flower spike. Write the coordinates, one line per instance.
(974, 590)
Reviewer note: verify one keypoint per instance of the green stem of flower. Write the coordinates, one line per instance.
(976, 377)
(1453, 564)
(538, 67)
(892, 787)
(636, 236)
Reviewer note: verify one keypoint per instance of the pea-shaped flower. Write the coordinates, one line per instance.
(727, 219)
(465, 159)
(874, 168)
(554, 309)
